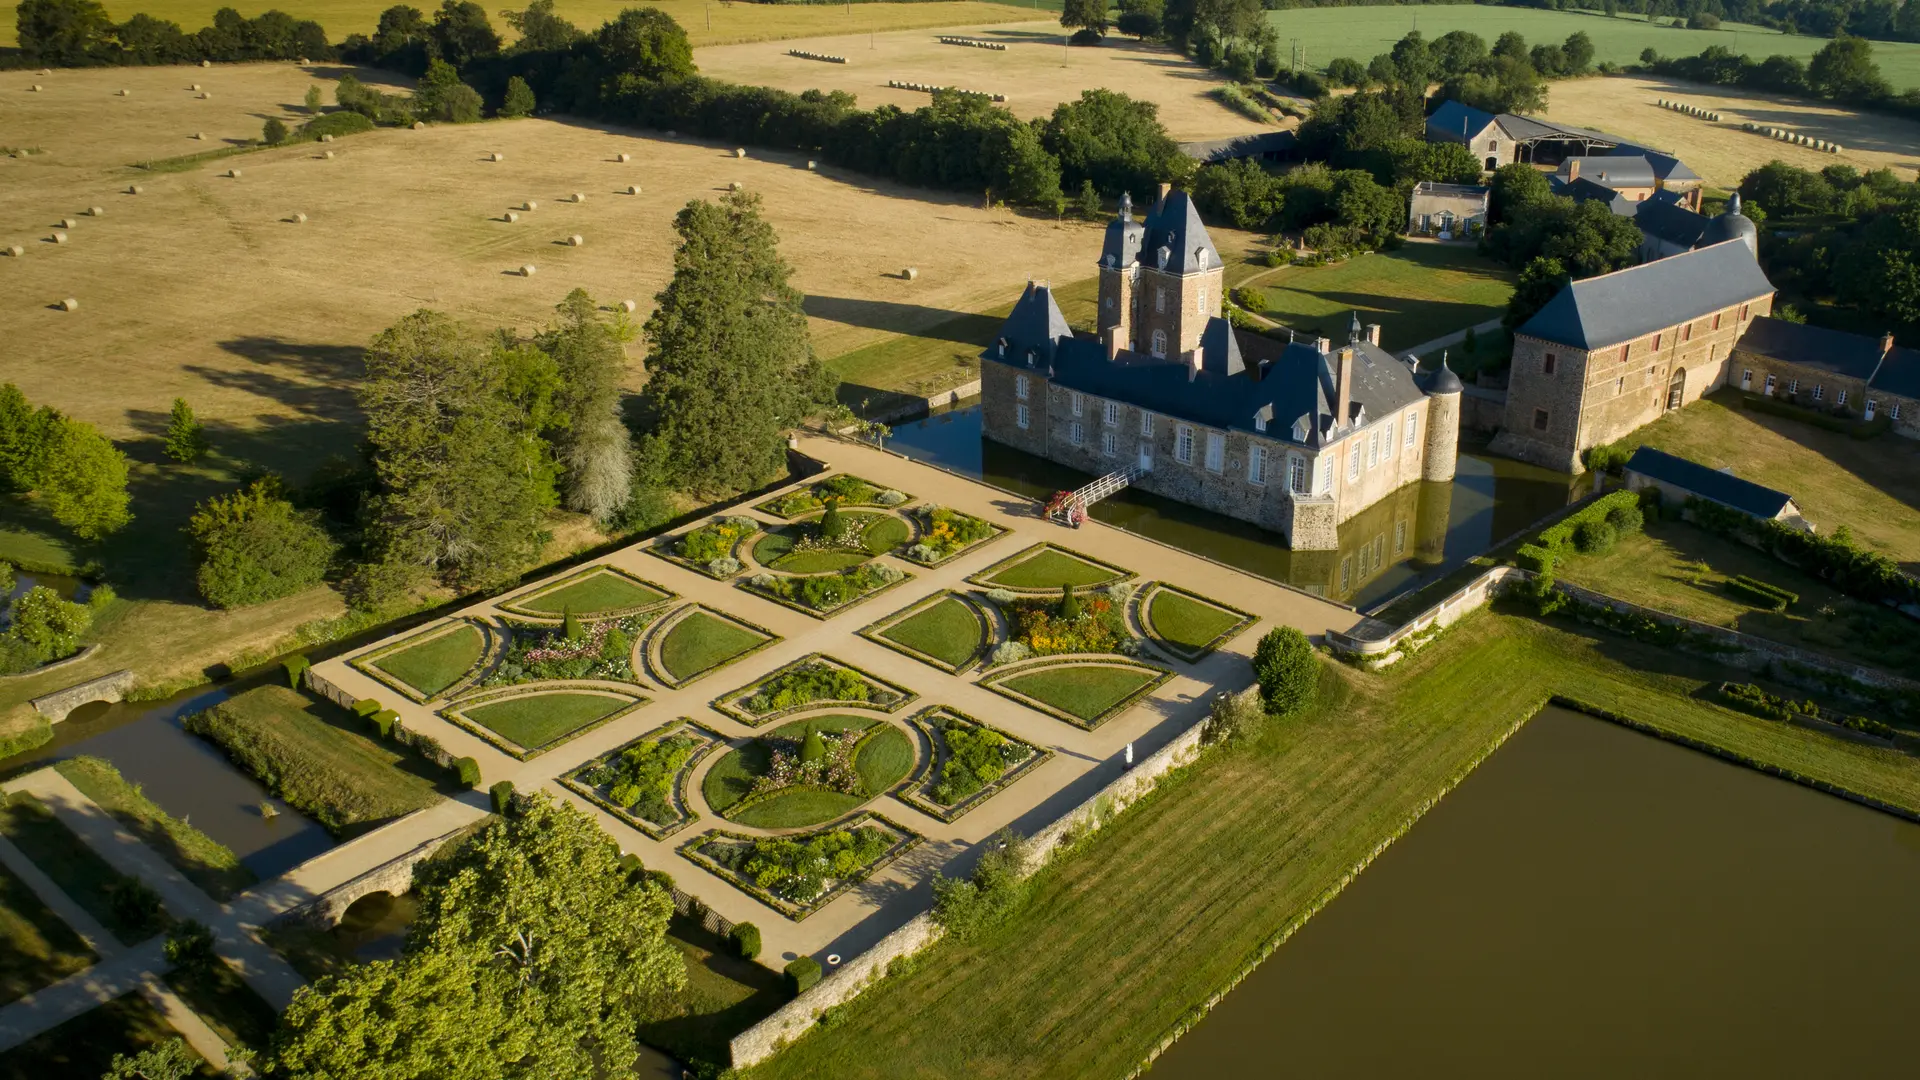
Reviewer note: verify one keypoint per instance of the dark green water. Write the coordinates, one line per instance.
(1594, 902)
(1419, 532)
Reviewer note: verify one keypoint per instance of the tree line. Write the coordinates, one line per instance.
(1851, 241)
(79, 33)
(1843, 71)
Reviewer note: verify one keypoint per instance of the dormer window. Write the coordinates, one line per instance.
(1259, 423)
(1200, 257)
(1300, 430)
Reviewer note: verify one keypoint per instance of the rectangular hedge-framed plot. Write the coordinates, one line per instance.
(431, 663)
(529, 719)
(712, 851)
(883, 696)
(1045, 568)
(802, 500)
(597, 592)
(1186, 624)
(727, 532)
(925, 517)
(752, 585)
(1084, 693)
(680, 812)
(694, 641)
(947, 631)
(923, 791)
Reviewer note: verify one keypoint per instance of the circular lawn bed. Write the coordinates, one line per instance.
(882, 758)
(878, 533)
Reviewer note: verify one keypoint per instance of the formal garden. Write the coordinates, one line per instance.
(598, 592)
(528, 722)
(811, 682)
(947, 630)
(971, 761)
(799, 874)
(825, 563)
(642, 782)
(840, 489)
(711, 548)
(430, 663)
(945, 532)
(1084, 693)
(572, 650)
(1048, 568)
(1185, 624)
(697, 641)
(809, 771)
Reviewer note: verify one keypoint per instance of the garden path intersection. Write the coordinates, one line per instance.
(1080, 763)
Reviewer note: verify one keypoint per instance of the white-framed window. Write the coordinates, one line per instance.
(1895, 411)
(1819, 391)
(1841, 399)
(1386, 443)
(1108, 444)
(1078, 402)
(1299, 480)
(1746, 378)
(1346, 575)
(1256, 465)
(1793, 386)
(1373, 448)
(1020, 387)
(1020, 417)
(1159, 346)
(1074, 434)
(1146, 423)
(1399, 537)
(1768, 389)
(1873, 405)
(1353, 461)
(1200, 258)
(1216, 451)
(1200, 301)
(1183, 444)
(1111, 414)
(1160, 298)
(1413, 422)
(1259, 423)
(1323, 469)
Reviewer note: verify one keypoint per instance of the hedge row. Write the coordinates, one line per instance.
(1761, 594)
(1868, 575)
(386, 725)
(1751, 699)
(1540, 553)
(1841, 424)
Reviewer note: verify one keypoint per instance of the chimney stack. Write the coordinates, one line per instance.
(1194, 362)
(1373, 333)
(1573, 169)
(1165, 190)
(1110, 337)
(1886, 343)
(1325, 345)
(1343, 387)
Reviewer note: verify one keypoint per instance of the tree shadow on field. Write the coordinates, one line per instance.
(901, 318)
(312, 379)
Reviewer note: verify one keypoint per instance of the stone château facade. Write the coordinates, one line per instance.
(1295, 437)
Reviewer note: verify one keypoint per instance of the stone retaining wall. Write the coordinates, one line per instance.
(394, 876)
(1374, 641)
(110, 688)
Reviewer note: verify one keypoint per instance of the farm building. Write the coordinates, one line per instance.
(1678, 479)
(1505, 138)
(1447, 210)
(1849, 374)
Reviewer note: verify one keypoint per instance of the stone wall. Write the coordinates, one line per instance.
(393, 876)
(999, 406)
(1482, 409)
(1382, 644)
(110, 688)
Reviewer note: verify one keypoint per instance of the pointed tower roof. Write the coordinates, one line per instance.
(1174, 224)
(1444, 380)
(1034, 325)
(1121, 248)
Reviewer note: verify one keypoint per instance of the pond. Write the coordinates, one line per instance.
(1417, 533)
(1594, 902)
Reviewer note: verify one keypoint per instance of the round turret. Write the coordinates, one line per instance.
(1443, 425)
(1445, 381)
(1121, 246)
(1732, 225)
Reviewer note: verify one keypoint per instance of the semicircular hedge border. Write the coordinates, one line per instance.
(431, 663)
(1189, 626)
(532, 718)
(602, 795)
(1045, 567)
(885, 697)
(1084, 693)
(719, 852)
(618, 593)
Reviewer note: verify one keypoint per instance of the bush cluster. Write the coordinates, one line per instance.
(976, 757)
(42, 628)
(811, 682)
(640, 778)
(1593, 528)
(798, 869)
(1836, 558)
(1288, 670)
(716, 540)
(944, 531)
(1755, 701)
(1761, 593)
(967, 906)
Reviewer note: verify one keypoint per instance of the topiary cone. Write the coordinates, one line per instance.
(1069, 603)
(570, 626)
(812, 747)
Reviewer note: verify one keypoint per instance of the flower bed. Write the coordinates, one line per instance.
(1186, 624)
(945, 631)
(841, 488)
(971, 762)
(804, 547)
(1084, 694)
(644, 782)
(1071, 623)
(945, 532)
(598, 650)
(811, 682)
(808, 771)
(1046, 568)
(821, 595)
(598, 592)
(710, 549)
(798, 875)
(427, 665)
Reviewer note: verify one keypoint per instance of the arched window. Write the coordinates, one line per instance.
(1160, 344)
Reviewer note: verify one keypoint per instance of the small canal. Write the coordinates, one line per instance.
(1419, 532)
(1595, 902)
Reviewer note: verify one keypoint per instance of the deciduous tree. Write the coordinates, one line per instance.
(595, 446)
(82, 480)
(1085, 14)
(254, 546)
(1116, 142)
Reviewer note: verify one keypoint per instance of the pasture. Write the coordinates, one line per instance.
(1363, 32)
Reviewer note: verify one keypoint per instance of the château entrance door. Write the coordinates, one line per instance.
(1146, 457)
(1676, 388)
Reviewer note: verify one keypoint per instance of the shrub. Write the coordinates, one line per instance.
(1011, 652)
(1085, 36)
(467, 771)
(1760, 593)
(1867, 726)
(383, 722)
(1288, 670)
(966, 906)
(134, 904)
(1254, 300)
(296, 668)
(366, 707)
(570, 626)
(724, 566)
(1069, 603)
(890, 497)
(831, 524)
(1626, 519)
(254, 546)
(802, 974)
(813, 747)
(501, 795)
(746, 940)
(273, 132)
(190, 948)
(335, 124)
(1234, 718)
(1594, 537)
(46, 627)
(1539, 555)
(100, 596)
(1002, 597)
(519, 101)
(1608, 458)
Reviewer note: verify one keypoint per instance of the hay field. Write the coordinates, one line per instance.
(201, 286)
(1035, 73)
(1626, 105)
(706, 23)
(1363, 32)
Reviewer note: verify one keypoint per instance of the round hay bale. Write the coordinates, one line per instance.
(739, 151)
(16, 251)
(206, 63)
(233, 174)
(95, 211)
(328, 155)
(633, 189)
(496, 156)
(59, 238)
(35, 88)
(69, 304)
(627, 306)
(738, 186)
(200, 135)
(123, 93)
(326, 138)
(512, 217)
(133, 189)
(623, 158)
(575, 240)
(529, 205)
(204, 96)
(527, 270)
(579, 197)
(67, 223)
(419, 125)
(812, 165)
(195, 86)
(910, 273)
(299, 219)
(46, 71)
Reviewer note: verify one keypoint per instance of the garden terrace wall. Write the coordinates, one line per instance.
(1381, 645)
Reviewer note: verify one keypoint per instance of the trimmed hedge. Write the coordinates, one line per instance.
(468, 770)
(366, 707)
(502, 796)
(296, 669)
(1852, 569)
(344, 122)
(1751, 699)
(1540, 553)
(802, 974)
(746, 940)
(1761, 594)
(383, 722)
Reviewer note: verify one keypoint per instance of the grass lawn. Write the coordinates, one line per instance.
(797, 808)
(884, 533)
(1052, 568)
(1249, 839)
(1416, 294)
(1871, 486)
(206, 862)
(79, 872)
(1658, 569)
(224, 1000)
(703, 641)
(724, 996)
(537, 720)
(884, 759)
(39, 948)
(1363, 32)
(346, 781)
(84, 1046)
(949, 631)
(1084, 690)
(603, 591)
(775, 551)
(432, 666)
(733, 775)
(1188, 624)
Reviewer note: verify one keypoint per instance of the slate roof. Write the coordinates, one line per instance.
(1585, 190)
(1639, 300)
(1669, 221)
(1612, 170)
(1852, 355)
(1453, 191)
(1173, 226)
(1723, 488)
(1899, 373)
(1452, 118)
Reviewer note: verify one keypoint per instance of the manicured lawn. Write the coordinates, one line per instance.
(593, 594)
(83, 1047)
(36, 947)
(232, 1008)
(536, 720)
(346, 781)
(1249, 840)
(884, 759)
(1187, 623)
(1084, 690)
(884, 533)
(797, 808)
(949, 631)
(432, 666)
(1416, 294)
(703, 641)
(79, 872)
(1051, 569)
(1871, 486)
(775, 551)
(205, 861)
(724, 995)
(733, 775)
(1660, 570)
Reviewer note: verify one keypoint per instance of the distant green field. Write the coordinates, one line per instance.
(1363, 32)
